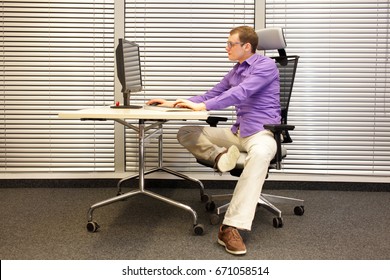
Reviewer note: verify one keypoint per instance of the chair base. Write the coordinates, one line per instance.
(266, 201)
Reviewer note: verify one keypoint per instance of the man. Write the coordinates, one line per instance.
(252, 86)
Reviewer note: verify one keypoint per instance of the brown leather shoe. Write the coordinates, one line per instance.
(230, 238)
(227, 160)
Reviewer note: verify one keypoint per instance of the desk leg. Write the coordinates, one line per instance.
(203, 197)
(93, 226)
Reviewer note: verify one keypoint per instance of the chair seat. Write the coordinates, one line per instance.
(241, 160)
(237, 170)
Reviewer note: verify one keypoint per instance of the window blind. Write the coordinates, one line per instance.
(183, 54)
(340, 102)
(55, 56)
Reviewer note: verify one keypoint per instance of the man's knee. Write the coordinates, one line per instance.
(186, 132)
(263, 153)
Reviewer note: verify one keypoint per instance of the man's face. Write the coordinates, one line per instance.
(233, 47)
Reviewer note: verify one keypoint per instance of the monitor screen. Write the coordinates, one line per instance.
(128, 71)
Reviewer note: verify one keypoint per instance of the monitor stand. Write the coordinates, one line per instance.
(126, 103)
(126, 107)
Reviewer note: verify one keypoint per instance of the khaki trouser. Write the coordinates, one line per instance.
(206, 143)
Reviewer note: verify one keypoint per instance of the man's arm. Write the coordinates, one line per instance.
(185, 103)
(160, 102)
(255, 82)
(219, 88)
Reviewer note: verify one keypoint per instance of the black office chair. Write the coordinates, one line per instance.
(269, 39)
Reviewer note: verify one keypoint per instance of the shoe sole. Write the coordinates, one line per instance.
(228, 160)
(220, 242)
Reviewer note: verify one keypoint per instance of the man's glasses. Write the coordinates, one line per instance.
(231, 44)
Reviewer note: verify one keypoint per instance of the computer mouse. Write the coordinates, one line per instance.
(154, 104)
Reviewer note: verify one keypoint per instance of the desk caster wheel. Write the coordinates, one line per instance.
(204, 197)
(278, 222)
(198, 229)
(299, 210)
(92, 226)
(214, 219)
(210, 206)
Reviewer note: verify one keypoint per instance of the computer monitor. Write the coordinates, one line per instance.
(128, 71)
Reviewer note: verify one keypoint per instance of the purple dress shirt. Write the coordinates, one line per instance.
(253, 88)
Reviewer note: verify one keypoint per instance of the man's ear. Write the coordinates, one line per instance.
(248, 47)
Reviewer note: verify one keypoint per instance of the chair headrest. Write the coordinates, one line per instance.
(271, 39)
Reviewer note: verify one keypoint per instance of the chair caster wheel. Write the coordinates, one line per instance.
(278, 222)
(214, 219)
(198, 229)
(210, 206)
(204, 198)
(299, 210)
(92, 226)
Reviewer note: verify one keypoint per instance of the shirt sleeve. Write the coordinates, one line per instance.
(253, 81)
(218, 89)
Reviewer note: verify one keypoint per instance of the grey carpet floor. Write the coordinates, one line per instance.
(50, 223)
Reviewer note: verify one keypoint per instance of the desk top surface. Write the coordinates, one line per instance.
(150, 114)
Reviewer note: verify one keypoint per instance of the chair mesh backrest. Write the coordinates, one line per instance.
(287, 66)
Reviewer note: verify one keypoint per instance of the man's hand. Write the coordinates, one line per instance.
(184, 103)
(160, 102)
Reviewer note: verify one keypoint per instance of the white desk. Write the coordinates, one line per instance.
(142, 116)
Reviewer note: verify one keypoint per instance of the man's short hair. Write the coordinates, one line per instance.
(247, 35)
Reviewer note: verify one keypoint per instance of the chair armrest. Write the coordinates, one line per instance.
(279, 130)
(278, 127)
(213, 120)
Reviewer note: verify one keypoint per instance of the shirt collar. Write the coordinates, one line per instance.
(251, 59)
